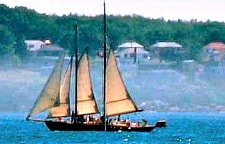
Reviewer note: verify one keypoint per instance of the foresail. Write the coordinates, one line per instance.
(50, 92)
(86, 103)
(118, 100)
(64, 106)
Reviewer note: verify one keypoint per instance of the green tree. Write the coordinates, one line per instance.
(7, 50)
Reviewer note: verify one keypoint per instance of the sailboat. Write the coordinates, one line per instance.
(85, 116)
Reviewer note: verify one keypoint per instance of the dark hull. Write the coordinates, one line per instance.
(63, 126)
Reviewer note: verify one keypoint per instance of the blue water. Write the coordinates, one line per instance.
(185, 128)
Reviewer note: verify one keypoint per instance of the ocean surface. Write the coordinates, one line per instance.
(193, 104)
(182, 128)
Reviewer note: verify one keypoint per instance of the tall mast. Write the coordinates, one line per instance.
(104, 68)
(76, 67)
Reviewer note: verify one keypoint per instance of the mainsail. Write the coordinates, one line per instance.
(118, 100)
(50, 93)
(86, 103)
(63, 109)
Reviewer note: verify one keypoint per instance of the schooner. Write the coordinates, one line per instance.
(85, 116)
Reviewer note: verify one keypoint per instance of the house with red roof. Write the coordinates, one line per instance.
(214, 52)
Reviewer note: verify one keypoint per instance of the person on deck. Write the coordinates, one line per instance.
(72, 117)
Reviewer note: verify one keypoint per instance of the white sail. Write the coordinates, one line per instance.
(86, 103)
(50, 93)
(64, 102)
(118, 100)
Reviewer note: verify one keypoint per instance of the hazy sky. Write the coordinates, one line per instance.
(203, 10)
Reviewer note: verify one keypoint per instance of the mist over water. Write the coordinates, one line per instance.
(19, 88)
(154, 90)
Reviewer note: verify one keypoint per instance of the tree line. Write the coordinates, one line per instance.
(20, 23)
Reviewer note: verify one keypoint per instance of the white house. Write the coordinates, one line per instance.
(38, 48)
(130, 45)
(130, 50)
(34, 45)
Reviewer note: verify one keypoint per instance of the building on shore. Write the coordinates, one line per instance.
(42, 52)
(214, 54)
(131, 50)
(37, 48)
(166, 51)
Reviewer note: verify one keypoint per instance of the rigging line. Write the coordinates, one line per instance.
(104, 70)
